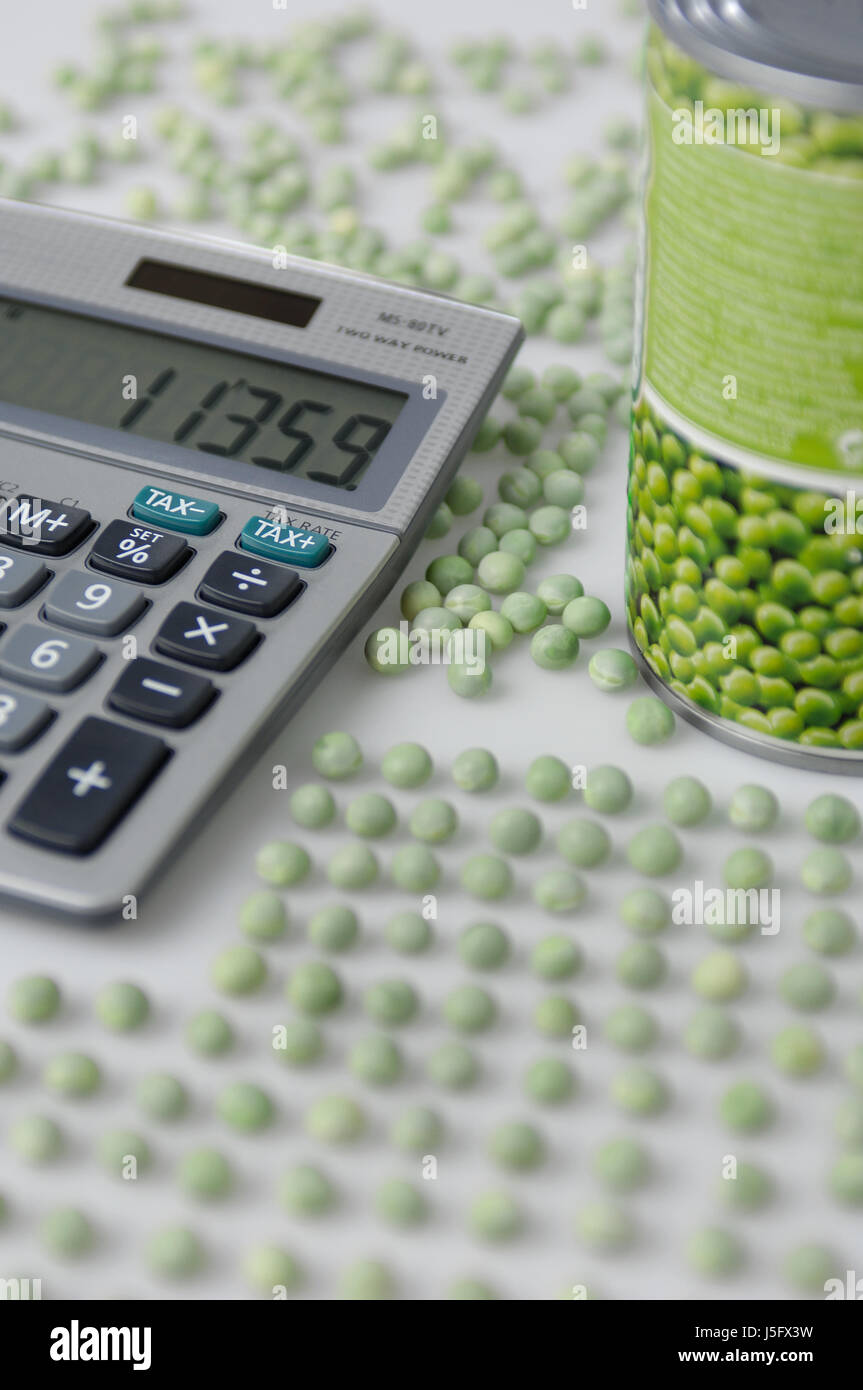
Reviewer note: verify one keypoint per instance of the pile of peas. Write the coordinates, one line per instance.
(718, 554)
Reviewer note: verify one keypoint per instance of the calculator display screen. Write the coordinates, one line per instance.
(273, 417)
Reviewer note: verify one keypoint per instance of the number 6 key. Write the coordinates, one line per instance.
(50, 660)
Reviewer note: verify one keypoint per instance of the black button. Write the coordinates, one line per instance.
(161, 694)
(204, 637)
(88, 786)
(136, 552)
(45, 528)
(248, 586)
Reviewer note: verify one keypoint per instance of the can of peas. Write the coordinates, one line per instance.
(744, 582)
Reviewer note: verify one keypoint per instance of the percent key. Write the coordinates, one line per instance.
(130, 551)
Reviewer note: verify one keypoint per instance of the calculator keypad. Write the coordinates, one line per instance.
(20, 577)
(92, 605)
(22, 718)
(159, 694)
(205, 637)
(45, 528)
(137, 553)
(50, 660)
(260, 590)
(88, 786)
(276, 541)
(176, 511)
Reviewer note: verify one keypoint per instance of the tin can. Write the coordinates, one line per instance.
(744, 574)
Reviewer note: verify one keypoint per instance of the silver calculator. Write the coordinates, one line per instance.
(214, 463)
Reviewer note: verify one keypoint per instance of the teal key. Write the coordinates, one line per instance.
(175, 511)
(288, 543)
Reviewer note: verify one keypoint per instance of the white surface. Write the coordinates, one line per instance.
(193, 912)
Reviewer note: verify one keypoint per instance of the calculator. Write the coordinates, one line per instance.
(215, 461)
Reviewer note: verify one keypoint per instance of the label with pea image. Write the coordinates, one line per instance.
(745, 554)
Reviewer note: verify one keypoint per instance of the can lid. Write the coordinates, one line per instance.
(812, 53)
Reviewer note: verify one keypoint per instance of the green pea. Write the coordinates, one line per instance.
(406, 765)
(522, 437)
(484, 946)
(753, 808)
(244, 1107)
(555, 1017)
(559, 890)
(645, 911)
(654, 850)
(370, 815)
(853, 1066)
(67, 1232)
(376, 1060)
(797, 1051)
(621, 1164)
(448, 571)
(516, 1145)
(500, 573)
(72, 1074)
(417, 1130)
(487, 877)
(208, 1032)
(522, 487)
(36, 1139)
(611, 669)
(846, 1179)
(122, 1007)
(408, 933)
(524, 611)
(641, 965)
(453, 1066)
(584, 843)
(263, 916)
(205, 1173)
(306, 1191)
(390, 1002)
(337, 756)
(586, 616)
(161, 1096)
(415, 869)
(475, 770)
(440, 524)
(313, 806)
(487, 435)
(333, 928)
(714, 1252)
(711, 1034)
(543, 462)
(826, 871)
(829, 931)
(807, 987)
(548, 1081)
(469, 1009)
(314, 988)
(548, 779)
(555, 958)
(719, 977)
(745, 1107)
(631, 1028)
(8, 1061)
(417, 596)
(495, 1216)
(550, 525)
(579, 451)
(335, 1119)
(747, 868)
(469, 681)
(298, 1043)
(270, 1269)
(832, 819)
(476, 543)
(686, 801)
(607, 789)
(519, 543)
(34, 999)
(351, 867)
(557, 591)
(848, 1125)
(466, 600)
(554, 648)
(649, 721)
(563, 489)
(639, 1090)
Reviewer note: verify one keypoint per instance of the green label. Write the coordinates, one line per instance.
(754, 295)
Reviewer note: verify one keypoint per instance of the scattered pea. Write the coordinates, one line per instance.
(832, 819)
(516, 1145)
(559, 590)
(584, 843)
(463, 497)
(8, 1061)
(35, 1138)
(67, 1232)
(555, 958)
(686, 801)
(337, 756)
(554, 648)
(282, 863)
(745, 1107)
(124, 1153)
(611, 669)
(407, 766)
(639, 1090)
(826, 871)
(475, 770)
(209, 1033)
(334, 927)
(719, 977)
(829, 931)
(551, 525)
(807, 987)
(747, 868)
(654, 850)
(469, 1009)
(641, 965)
(484, 946)
(312, 806)
(314, 988)
(34, 999)
(548, 779)
(335, 1120)
(753, 808)
(631, 1028)
(809, 1267)
(367, 1281)
(586, 616)
(548, 1081)
(351, 867)
(299, 1042)
(559, 890)
(604, 1225)
(370, 815)
(408, 933)
(174, 1253)
(245, 1107)
(622, 1164)
(238, 970)
(306, 1191)
(645, 911)
(161, 1096)
(72, 1074)
(711, 1034)
(555, 1016)
(122, 1007)
(263, 916)
(714, 1252)
(376, 1060)
(797, 1051)
(649, 721)
(607, 789)
(417, 1130)
(495, 1216)
(270, 1269)
(453, 1066)
(417, 596)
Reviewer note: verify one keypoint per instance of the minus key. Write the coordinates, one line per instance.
(160, 694)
